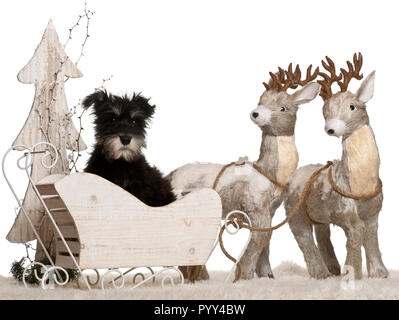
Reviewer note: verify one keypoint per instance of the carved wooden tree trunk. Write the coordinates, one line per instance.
(49, 121)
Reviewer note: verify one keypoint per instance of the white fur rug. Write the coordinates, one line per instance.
(292, 282)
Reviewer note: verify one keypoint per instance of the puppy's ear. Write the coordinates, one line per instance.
(97, 98)
(144, 103)
(150, 109)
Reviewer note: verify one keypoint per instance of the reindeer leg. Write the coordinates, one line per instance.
(263, 268)
(354, 230)
(188, 271)
(250, 258)
(326, 248)
(375, 266)
(204, 274)
(303, 234)
(184, 271)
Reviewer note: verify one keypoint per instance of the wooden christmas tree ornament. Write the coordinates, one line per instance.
(49, 120)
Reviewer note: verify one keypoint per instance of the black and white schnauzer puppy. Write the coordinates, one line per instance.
(120, 130)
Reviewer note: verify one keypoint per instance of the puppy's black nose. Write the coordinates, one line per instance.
(125, 140)
(330, 131)
(255, 114)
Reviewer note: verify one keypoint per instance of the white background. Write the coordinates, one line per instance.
(203, 63)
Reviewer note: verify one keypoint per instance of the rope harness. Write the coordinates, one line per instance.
(240, 224)
(256, 167)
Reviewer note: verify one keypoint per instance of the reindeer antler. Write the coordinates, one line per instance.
(283, 80)
(278, 81)
(353, 72)
(309, 76)
(326, 84)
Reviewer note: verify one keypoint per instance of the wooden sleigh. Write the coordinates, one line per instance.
(107, 227)
(103, 226)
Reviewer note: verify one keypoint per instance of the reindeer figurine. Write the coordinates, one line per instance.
(243, 186)
(348, 194)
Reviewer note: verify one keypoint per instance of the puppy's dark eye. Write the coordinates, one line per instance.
(352, 107)
(132, 121)
(283, 109)
(113, 119)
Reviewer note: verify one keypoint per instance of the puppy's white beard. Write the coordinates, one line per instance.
(114, 149)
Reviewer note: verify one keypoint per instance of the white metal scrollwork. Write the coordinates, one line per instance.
(26, 165)
(234, 232)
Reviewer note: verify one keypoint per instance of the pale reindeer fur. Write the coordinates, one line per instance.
(363, 160)
(241, 187)
(356, 173)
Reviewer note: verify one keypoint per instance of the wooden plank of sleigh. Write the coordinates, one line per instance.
(107, 227)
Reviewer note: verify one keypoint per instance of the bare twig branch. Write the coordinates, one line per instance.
(74, 159)
(74, 156)
(72, 29)
(88, 15)
(105, 82)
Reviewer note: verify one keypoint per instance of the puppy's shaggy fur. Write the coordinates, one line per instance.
(120, 129)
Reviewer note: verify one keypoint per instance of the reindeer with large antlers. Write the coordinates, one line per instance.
(348, 194)
(243, 186)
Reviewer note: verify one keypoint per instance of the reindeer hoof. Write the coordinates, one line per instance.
(379, 273)
(247, 275)
(335, 270)
(266, 275)
(319, 273)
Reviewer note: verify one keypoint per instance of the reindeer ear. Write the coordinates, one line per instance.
(306, 94)
(366, 90)
(96, 98)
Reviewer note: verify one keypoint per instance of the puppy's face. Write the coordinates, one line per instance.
(120, 123)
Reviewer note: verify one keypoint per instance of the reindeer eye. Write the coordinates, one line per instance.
(283, 109)
(353, 107)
